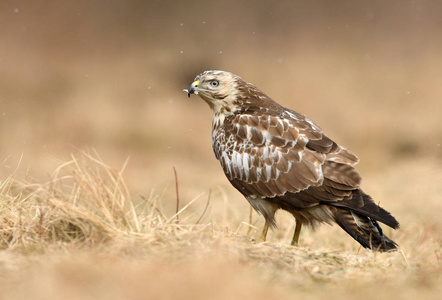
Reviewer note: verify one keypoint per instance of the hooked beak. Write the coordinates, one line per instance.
(193, 88)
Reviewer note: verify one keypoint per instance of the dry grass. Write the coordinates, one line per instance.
(85, 203)
(80, 235)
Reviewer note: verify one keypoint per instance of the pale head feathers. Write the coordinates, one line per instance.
(220, 90)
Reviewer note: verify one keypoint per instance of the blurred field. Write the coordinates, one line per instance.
(105, 78)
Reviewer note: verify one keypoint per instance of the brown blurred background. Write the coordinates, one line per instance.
(109, 75)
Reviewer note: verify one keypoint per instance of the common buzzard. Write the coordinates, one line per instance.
(280, 159)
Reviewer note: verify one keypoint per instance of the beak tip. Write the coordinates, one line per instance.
(187, 91)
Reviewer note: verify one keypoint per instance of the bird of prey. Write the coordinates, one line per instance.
(280, 159)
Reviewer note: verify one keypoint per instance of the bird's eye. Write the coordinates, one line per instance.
(214, 83)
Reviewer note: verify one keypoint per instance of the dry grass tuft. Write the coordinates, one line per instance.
(85, 203)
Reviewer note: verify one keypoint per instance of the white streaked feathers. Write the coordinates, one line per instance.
(237, 161)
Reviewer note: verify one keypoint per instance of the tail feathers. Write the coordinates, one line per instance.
(363, 229)
(364, 205)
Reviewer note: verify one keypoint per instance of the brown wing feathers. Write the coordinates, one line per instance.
(297, 167)
(364, 205)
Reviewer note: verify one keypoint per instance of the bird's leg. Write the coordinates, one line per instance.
(297, 233)
(264, 233)
(250, 220)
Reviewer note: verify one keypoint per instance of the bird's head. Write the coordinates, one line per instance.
(219, 89)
